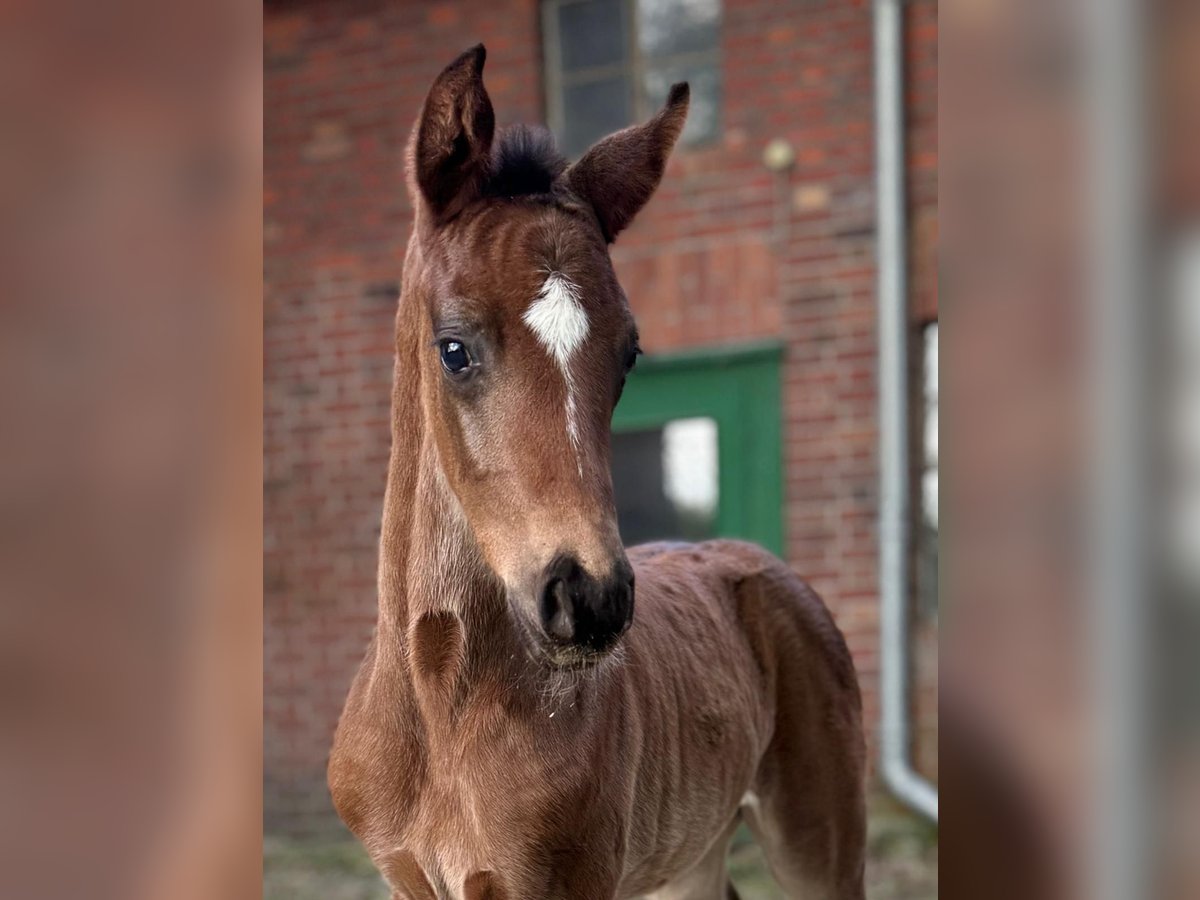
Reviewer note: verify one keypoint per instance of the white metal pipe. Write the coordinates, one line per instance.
(897, 769)
(1120, 823)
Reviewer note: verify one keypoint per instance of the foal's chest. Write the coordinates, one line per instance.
(473, 832)
(422, 878)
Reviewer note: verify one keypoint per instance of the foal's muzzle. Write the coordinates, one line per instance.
(581, 612)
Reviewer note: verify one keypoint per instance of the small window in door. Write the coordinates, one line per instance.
(666, 481)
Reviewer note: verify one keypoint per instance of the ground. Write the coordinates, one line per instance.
(902, 865)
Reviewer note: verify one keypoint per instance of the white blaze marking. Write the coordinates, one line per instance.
(557, 318)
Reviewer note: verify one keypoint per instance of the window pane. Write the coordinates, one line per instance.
(927, 533)
(665, 481)
(678, 26)
(1183, 407)
(592, 33)
(592, 109)
(929, 489)
(703, 121)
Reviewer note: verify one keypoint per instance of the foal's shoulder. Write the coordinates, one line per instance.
(719, 570)
(734, 558)
(741, 575)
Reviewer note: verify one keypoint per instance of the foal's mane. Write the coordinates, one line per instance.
(525, 163)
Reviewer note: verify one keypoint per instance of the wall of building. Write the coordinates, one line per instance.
(727, 252)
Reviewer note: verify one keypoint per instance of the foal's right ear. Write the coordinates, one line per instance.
(452, 142)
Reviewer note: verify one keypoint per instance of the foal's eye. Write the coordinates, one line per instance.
(456, 359)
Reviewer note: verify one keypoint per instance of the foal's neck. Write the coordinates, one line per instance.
(443, 616)
(437, 595)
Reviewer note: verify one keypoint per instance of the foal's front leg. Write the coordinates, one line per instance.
(570, 873)
(575, 883)
(485, 886)
(573, 849)
(579, 886)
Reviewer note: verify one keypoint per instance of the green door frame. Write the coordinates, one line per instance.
(739, 387)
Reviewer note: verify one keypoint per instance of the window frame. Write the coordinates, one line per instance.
(925, 595)
(555, 80)
(740, 388)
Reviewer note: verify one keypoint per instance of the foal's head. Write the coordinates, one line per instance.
(526, 341)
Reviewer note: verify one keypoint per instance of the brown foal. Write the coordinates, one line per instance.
(515, 731)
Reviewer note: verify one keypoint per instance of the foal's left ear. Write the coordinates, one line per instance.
(453, 140)
(618, 174)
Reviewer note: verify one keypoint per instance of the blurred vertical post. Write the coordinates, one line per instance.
(130, 456)
(1119, 577)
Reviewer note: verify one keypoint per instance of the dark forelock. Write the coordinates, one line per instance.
(525, 161)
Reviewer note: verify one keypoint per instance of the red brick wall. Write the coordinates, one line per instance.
(727, 251)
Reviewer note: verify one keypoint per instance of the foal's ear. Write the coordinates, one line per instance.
(618, 174)
(453, 140)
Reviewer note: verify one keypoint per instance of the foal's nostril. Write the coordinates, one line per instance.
(558, 612)
(583, 611)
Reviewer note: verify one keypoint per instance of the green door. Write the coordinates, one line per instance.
(697, 447)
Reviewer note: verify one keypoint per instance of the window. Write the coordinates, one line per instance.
(610, 63)
(1183, 417)
(927, 520)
